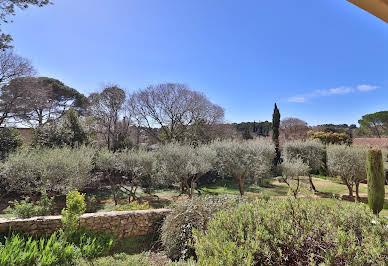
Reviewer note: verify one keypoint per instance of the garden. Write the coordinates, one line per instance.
(229, 204)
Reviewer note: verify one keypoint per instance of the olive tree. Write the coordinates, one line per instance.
(184, 164)
(244, 160)
(292, 171)
(310, 152)
(137, 166)
(348, 162)
(56, 170)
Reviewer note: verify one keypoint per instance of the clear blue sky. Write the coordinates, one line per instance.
(321, 61)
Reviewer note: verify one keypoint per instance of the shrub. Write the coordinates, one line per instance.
(348, 162)
(57, 170)
(330, 137)
(293, 232)
(248, 160)
(133, 206)
(376, 181)
(194, 213)
(26, 209)
(310, 152)
(10, 140)
(75, 206)
(17, 250)
(92, 244)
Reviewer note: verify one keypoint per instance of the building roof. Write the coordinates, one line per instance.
(379, 8)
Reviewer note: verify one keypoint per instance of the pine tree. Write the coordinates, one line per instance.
(376, 180)
(275, 133)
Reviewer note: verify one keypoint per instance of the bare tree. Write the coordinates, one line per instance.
(293, 129)
(108, 108)
(173, 108)
(12, 66)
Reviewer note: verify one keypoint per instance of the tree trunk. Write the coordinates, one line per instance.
(350, 187)
(312, 187)
(357, 191)
(240, 181)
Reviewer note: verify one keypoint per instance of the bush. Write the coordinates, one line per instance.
(10, 140)
(26, 209)
(244, 161)
(331, 138)
(186, 215)
(293, 232)
(17, 250)
(348, 162)
(75, 206)
(133, 206)
(57, 170)
(376, 181)
(92, 244)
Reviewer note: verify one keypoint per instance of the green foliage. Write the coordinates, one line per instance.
(75, 206)
(17, 250)
(67, 131)
(330, 137)
(293, 232)
(247, 134)
(26, 209)
(348, 162)
(310, 152)
(186, 215)
(10, 140)
(244, 160)
(374, 125)
(275, 133)
(57, 170)
(92, 244)
(292, 171)
(133, 206)
(376, 180)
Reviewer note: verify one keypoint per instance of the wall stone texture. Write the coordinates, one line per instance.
(122, 224)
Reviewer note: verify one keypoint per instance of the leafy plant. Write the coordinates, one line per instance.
(26, 209)
(293, 232)
(75, 206)
(177, 228)
(17, 250)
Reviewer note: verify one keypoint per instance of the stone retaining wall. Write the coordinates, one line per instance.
(123, 224)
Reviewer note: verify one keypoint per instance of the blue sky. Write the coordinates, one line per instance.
(322, 61)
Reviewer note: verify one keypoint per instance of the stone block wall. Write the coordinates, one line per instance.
(122, 224)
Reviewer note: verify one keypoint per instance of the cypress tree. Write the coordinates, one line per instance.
(376, 180)
(275, 133)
